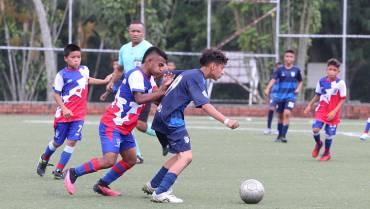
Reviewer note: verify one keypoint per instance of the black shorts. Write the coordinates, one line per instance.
(145, 114)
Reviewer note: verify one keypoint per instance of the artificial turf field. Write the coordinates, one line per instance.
(222, 159)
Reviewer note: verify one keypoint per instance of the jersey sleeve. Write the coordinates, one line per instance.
(198, 93)
(275, 74)
(342, 90)
(153, 84)
(318, 89)
(299, 75)
(136, 82)
(58, 83)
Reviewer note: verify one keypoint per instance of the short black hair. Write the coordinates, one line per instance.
(136, 22)
(70, 48)
(289, 51)
(334, 62)
(212, 55)
(154, 50)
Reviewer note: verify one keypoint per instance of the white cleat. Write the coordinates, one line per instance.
(363, 137)
(166, 197)
(267, 131)
(276, 132)
(148, 189)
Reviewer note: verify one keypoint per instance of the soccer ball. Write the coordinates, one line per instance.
(251, 191)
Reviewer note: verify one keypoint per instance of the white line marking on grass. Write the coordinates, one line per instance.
(350, 134)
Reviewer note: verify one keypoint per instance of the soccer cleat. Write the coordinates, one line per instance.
(267, 131)
(41, 167)
(166, 197)
(69, 180)
(276, 132)
(278, 139)
(325, 157)
(363, 137)
(139, 160)
(58, 174)
(148, 189)
(316, 150)
(105, 190)
(283, 139)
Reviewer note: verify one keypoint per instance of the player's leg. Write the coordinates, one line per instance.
(128, 153)
(60, 134)
(366, 130)
(279, 111)
(179, 144)
(110, 143)
(316, 127)
(74, 134)
(142, 123)
(288, 107)
(150, 187)
(270, 116)
(330, 131)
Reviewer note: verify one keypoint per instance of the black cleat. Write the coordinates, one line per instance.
(283, 139)
(278, 139)
(58, 174)
(41, 167)
(101, 188)
(139, 160)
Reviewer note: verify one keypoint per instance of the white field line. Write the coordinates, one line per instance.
(350, 134)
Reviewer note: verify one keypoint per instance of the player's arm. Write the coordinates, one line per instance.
(67, 113)
(310, 104)
(142, 98)
(213, 112)
(96, 81)
(268, 87)
(116, 75)
(299, 87)
(332, 114)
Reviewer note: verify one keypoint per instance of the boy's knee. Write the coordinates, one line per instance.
(108, 161)
(315, 130)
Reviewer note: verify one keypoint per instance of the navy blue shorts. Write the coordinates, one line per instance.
(68, 130)
(330, 130)
(178, 140)
(284, 105)
(113, 141)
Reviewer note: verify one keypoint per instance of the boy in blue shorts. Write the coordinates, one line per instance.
(120, 118)
(169, 121)
(272, 102)
(289, 80)
(70, 93)
(331, 92)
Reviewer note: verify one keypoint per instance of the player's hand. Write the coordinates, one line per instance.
(109, 87)
(266, 92)
(167, 79)
(331, 115)
(307, 110)
(296, 91)
(67, 113)
(108, 78)
(233, 124)
(104, 96)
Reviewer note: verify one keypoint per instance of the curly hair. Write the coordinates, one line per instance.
(212, 55)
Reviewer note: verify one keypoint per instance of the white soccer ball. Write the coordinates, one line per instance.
(251, 191)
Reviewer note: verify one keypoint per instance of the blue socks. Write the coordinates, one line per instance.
(284, 129)
(367, 126)
(327, 146)
(158, 177)
(316, 136)
(280, 129)
(269, 118)
(168, 180)
(115, 172)
(64, 157)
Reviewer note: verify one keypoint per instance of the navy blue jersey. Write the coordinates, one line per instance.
(287, 83)
(188, 86)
